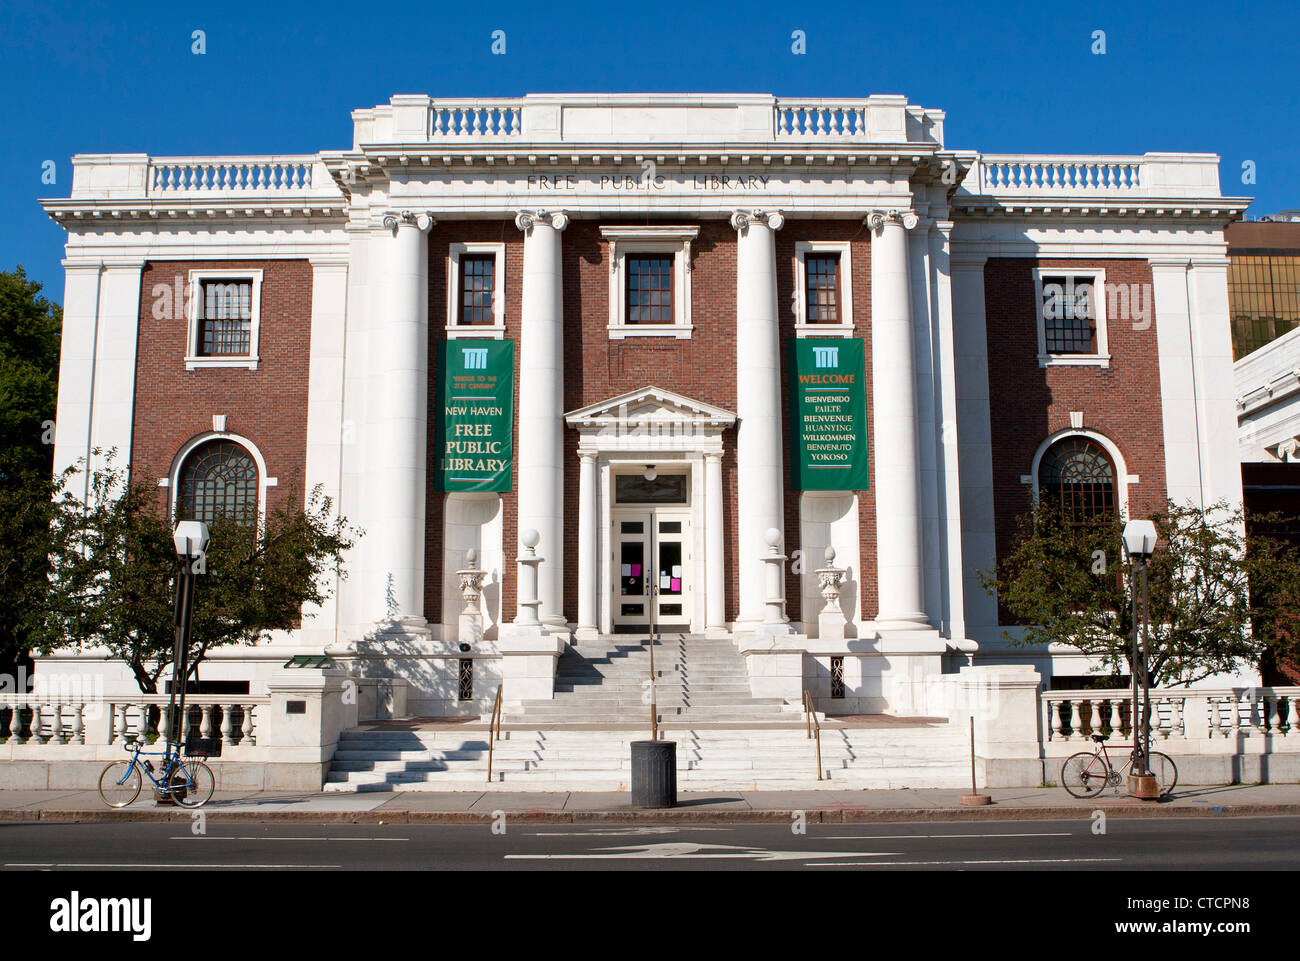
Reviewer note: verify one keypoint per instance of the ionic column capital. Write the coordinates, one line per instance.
(525, 220)
(878, 219)
(422, 220)
(742, 219)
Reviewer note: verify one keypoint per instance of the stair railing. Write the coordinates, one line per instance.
(494, 729)
(814, 726)
(654, 706)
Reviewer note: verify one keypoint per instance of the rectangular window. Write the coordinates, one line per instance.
(225, 318)
(650, 289)
(1263, 297)
(1069, 314)
(822, 283)
(477, 286)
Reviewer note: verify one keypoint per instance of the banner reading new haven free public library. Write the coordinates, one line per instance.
(475, 435)
(828, 414)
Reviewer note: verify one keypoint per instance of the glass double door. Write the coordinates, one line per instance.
(652, 562)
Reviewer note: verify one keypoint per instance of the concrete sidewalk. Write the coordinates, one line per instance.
(468, 807)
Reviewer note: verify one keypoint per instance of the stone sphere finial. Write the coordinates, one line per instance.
(471, 557)
(830, 556)
(530, 538)
(772, 536)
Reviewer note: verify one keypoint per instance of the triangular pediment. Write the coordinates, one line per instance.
(650, 405)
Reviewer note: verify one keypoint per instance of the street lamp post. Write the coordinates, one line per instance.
(1140, 543)
(191, 540)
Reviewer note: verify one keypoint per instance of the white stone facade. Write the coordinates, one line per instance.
(934, 216)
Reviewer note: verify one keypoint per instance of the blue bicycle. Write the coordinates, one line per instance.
(187, 780)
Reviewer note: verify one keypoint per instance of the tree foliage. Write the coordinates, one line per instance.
(113, 567)
(1217, 598)
(30, 329)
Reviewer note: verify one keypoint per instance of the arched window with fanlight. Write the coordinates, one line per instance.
(218, 480)
(1078, 475)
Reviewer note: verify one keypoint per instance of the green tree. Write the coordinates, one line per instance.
(30, 328)
(1217, 598)
(114, 565)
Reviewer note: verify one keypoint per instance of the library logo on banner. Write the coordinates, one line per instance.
(77, 915)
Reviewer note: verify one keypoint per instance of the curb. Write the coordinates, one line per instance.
(667, 815)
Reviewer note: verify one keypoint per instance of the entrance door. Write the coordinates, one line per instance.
(652, 556)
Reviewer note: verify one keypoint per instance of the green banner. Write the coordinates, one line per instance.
(476, 431)
(828, 411)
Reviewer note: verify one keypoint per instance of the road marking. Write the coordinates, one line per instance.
(685, 850)
(143, 864)
(913, 837)
(886, 864)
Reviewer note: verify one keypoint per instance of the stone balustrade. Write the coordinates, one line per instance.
(36, 720)
(1065, 175)
(455, 119)
(1177, 715)
(820, 118)
(232, 176)
(1152, 176)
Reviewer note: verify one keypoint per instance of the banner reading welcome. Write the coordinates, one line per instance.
(476, 431)
(828, 411)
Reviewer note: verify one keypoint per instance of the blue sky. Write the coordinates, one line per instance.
(282, 78)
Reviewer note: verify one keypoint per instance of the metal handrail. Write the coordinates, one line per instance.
(654, 706)
(814, 726)
(494, 729)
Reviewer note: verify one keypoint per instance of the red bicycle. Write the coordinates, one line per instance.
(1086, 775)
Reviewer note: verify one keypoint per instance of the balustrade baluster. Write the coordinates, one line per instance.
(205, 722)
(1116, 725)
(1176, 729)
(77, 734)
(227, 726)
(164, 723)
(1273, 715)
(1291, 717)
(34, 730)
(15, 721)
(1235, 707)
(248, 725)
(1055, 707)
(1076, 722)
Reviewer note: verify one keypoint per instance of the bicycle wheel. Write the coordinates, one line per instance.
(1084, 775)
(198, 784)
(1166, 772)
(119, 784)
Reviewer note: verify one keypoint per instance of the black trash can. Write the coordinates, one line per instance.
(654, 774)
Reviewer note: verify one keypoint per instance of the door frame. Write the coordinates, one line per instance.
(652, 538)
(609, 466)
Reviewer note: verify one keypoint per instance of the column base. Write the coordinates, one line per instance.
(585, 633)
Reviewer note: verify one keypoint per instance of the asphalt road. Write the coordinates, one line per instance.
(1233, 843)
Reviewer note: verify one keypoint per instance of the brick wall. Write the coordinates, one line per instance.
(268, 405)
(441, 237)
(597, 368)
(794, 232)
(1027, 403)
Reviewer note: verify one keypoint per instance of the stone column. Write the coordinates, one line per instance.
(759, 487)
(588, 510)
(715, 587)
(398, 441)
(899, 568)
(541, 403)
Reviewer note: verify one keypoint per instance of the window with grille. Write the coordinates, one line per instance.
(225, 315)
(1076, 474)
(650, 289)
(837, 677)
(477, 288)
(1263, 297)
(218, 479)
(822, 288)
(466, 691)
(1069, 314)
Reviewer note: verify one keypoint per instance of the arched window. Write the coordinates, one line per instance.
(218, 479)
(1076, 473)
